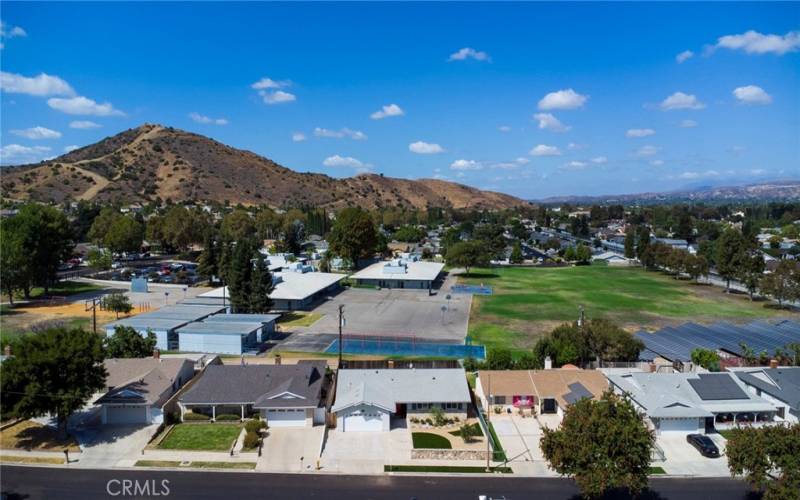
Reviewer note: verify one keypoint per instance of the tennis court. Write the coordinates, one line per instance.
(473, 289)
(402, 347)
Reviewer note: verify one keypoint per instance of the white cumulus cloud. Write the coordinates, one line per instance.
(469, 53)
(298, 136)
(15, 154)
(83, 124)
(698, 175)
(753, 42)
(687, 124)
(83, 106)
(197, 117)
(41, 85)
(425, 148)
(466, 165)
(387, 111)
(276, 97)
(752, 94)
(346, 161)
(684, 56)
(72, 147)
(504, 128)
(36, 133)
(356, 135)
(545, 150)
(647, 151)
(680, 100)
(269, 83)
(600, 160)
(549, 122)
(563, 99)
(574, 165)
(639, 132)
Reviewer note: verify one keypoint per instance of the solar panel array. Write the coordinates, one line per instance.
(677, 343)
(716, 387)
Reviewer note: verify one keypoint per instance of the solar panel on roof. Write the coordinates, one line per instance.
(715, 387)
(577, 392)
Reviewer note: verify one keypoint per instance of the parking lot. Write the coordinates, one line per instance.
(402, 313)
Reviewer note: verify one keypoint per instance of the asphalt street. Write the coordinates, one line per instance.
(33, 483)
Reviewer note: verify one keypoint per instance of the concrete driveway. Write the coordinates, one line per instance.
(285, 446)
(366, 452)
(519, 437)
(401, 313)
(683, 459)
(106, 445)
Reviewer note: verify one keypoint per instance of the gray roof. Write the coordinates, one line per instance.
(387, 388)
(675, 394)
(782, 383)
(205, 301)
(140, 380)
(155, 324)
(263, 386)
(220, 328)
(241, 318)
(182, 311)
(710, 387)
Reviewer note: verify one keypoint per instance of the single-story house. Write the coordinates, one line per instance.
(400, 273)
(692, 402)
(138, 388)
(220, 337)
(367, 399)
(780, 385)
(165, 322)
(293, 290)
(283, 395)
(267, 320)
(549, 391)
(612, 259)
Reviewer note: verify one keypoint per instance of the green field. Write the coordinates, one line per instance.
(212, 437)
(65, 289)
(528, 302)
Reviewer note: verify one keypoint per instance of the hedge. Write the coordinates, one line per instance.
(195, 416)
(255, 425)
(228, 417)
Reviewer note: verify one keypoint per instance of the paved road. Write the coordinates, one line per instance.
(33, 483)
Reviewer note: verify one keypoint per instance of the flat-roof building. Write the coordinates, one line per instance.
(400, 273)
(219, 337)
(293, 290)
(164, 322)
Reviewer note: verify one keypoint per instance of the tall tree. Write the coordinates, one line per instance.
(54, 371)
(604, 445)
(630, 242)
(240, 276)
(15, 270)
(516, 254)
(467, 254)
(731, 251)
(767, 458)
(261, 286)
(783, 283)
(353, 235)
(46, 238)
(237, 225)
(643, 246)
(128, 343)
(751, 271)
(117, 302)
(208, 262)
(124, 235)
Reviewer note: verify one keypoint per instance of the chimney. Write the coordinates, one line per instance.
(277, 359)
(773, 363)
(7, 350)
(156, 354)
(548, 363)
(390, 364)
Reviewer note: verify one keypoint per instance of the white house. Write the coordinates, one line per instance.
(400, 273)
(780, 385)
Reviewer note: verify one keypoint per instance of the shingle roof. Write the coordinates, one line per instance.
(782, 383)
(565, 385)
(258, 385)
(140, 380)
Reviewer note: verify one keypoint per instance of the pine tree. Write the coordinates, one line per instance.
(208, 263)
(240, 273)
(630, 243)
(261, 286)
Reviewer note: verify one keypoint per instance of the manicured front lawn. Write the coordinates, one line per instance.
(430, 441)
(474, 430)
(444, 469)
(294, 319)
(29, 435)
(653, 471)
(212, 437)
(528, 302)
(727, 433)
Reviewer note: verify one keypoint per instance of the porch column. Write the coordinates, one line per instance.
(183, 410)
(214, 413)
(242, 412)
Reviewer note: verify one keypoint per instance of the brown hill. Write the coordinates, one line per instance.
(153, 161)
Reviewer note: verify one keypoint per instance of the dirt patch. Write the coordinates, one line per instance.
(29, 435)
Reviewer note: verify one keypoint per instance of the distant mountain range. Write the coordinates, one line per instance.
(154, 161)
(766, 191)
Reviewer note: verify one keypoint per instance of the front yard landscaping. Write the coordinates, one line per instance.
(196, 465)
(29, 435)
(445, 469)
(207, 437)
(426, 440)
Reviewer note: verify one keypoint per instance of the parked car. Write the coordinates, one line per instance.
(703, 444)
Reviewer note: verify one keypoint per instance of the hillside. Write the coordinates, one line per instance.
(766, 191)
(153, 161)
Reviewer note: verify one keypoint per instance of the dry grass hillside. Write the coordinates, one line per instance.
(153, 161)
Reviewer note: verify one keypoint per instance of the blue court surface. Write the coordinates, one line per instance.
(392, 347)
(473, 289)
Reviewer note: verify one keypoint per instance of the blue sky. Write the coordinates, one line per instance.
(530, 99)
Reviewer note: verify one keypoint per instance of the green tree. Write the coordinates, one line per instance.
(409, 233)
(353, 235)
(604, 445)
(124, 235)
(46, 238)
(696, 266)
(516, 254)
(783, 284)
(643, 246)
(99, 259)
(293, 235)
(731, 251)
(751, 272)
(570, 254)
(467, 254)
(237, 225)
(583, 254)
(117, 302)
(55, 371)
(499, 358)
(208, 262)
(15, 271)
(707, 358)
(240, 276)
(767, 458)
(261, 286)
(128, 343)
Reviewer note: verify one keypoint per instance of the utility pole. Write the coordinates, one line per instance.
(488, 411)
(94, 324)
(341, 323)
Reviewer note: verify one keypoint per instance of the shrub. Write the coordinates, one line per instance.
(227, 417)
(251, 440)
(429, 421)
(414, 420)
(255, 425)
(195, 416)
(438, 416)
(498, 410)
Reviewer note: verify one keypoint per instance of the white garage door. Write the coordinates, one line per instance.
(286, 418)
(118, 414)
(372, 422)
(685, 425)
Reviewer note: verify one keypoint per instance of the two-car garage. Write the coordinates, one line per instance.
(286, 417)
(124, 414)
(363, 419)
(682, 425)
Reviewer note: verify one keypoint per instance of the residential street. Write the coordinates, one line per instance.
(33, 483)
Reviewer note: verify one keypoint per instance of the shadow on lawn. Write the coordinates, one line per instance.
(485, 275)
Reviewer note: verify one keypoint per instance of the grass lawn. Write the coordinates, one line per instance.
(212, 437)
(471, 380)
(656, 470)
(427, 440)
(499, 452)
(31, 460)
(528, 302)
(294, 319)
(727, 433)
(445, 469)
(474, 431)
(65, 289)
(196, 465)
(28, 435)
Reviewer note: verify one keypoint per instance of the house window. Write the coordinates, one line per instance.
(499, 400)
(452, 406)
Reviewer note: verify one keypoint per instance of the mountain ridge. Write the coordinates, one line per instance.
(153, 162)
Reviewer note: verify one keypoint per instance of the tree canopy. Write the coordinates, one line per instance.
(467, 254)
(767, 458)
(353, 235)
(128, 343)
